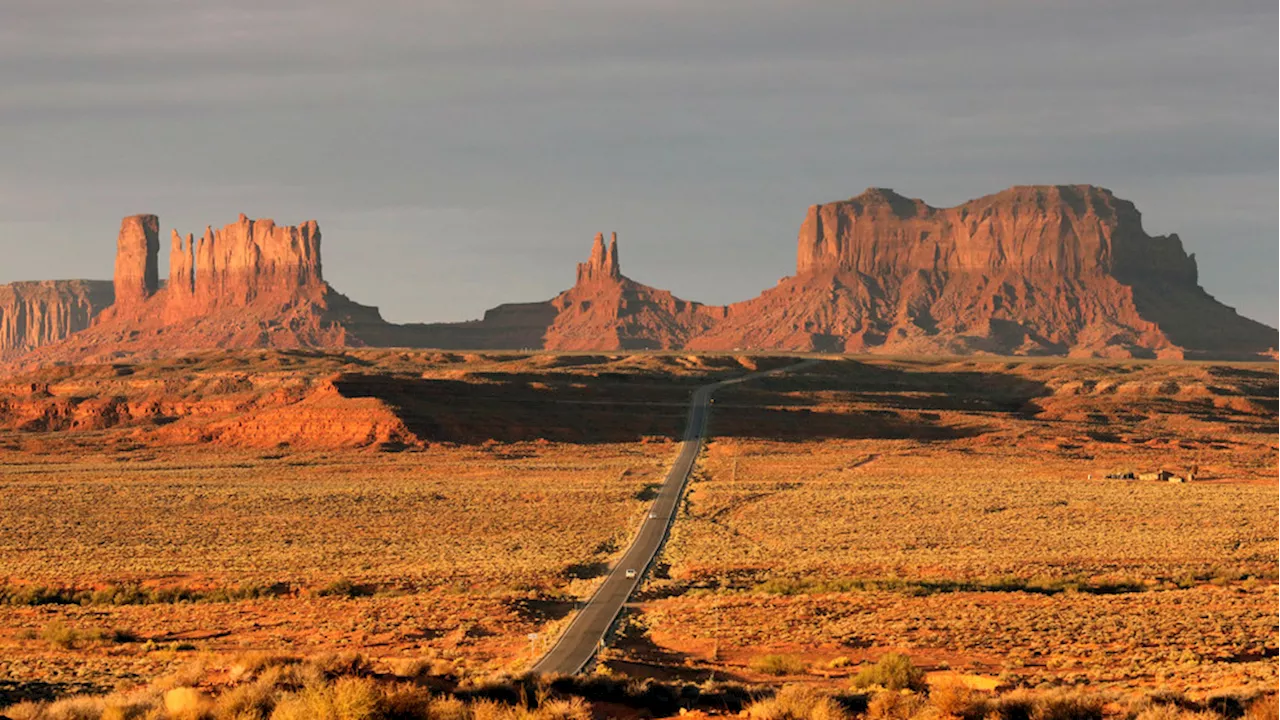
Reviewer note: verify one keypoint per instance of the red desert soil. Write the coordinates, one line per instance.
(446, 505)
(406, 504)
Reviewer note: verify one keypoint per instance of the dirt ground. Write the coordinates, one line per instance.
(453, 507)
(961, 512)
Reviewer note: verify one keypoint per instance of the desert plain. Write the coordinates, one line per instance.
(442, 514)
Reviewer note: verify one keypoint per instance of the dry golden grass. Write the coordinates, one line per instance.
(463, 550)
(305, 537)
(942, 508)
(516, 514)
(961, 510)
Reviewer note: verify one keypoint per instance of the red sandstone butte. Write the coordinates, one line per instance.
(250, 284)
(33, 314)
(137, 275)
(1034, 270)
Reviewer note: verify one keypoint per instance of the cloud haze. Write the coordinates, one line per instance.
(462, 154)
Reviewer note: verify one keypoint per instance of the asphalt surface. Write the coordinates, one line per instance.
(586, 634)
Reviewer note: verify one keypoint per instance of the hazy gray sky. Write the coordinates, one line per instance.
(462, 154)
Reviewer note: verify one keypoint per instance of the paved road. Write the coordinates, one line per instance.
(586, 633)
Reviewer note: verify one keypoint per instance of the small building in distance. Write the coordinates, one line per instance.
(1162, 476)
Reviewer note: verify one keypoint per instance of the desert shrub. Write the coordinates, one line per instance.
(661, 699)
(74, 708)
(1017, 705)
(441, 667)
(568, 709)
(249, 701)
(133, 594)
(125, 711)
(334, 665)
(894, 705)
(407, 702)
(64, 636)
(347, 698)
(956, 700)
(252, 663)
(1266, 707)
(186, 703)
(891, 672)
(798, 702)
(60, 634)
(480, 710)
(411, 668)
(778, 664)
(357, 698)
(1174, 712)
(346, 589)
(314, 702)
(731, 696)
(1067, 705)
(450, 708)
(1231, 704)
(24, 711)
(506, 690)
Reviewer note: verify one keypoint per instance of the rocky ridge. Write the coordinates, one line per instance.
(249, 284)
(1032, 270)
(33, 314)
(604, 310)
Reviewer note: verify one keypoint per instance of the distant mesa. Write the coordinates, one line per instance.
(38, 313)
(604, 310)
(250, 284)
(1032, 270)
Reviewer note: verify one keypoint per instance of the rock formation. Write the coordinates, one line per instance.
(602, 266)
(137, 275)
(182, 269)
(250, 284)
(255, 258)
(604, 310)
(1031, 270)
(1042, 270)
(33, 314)
(1037, 270)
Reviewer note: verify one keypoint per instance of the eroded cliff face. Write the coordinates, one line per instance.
(250, 284)
(1064, 231)
(137, 274)
(606, 310)
(254, 258)
(241, 264)
(1039, 270)
(33, 314)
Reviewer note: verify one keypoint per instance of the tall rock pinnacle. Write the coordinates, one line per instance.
(611, 257)
(603, 264)
(182, 265)
(137, 274)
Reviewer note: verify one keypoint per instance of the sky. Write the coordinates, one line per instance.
(458, 155)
